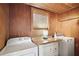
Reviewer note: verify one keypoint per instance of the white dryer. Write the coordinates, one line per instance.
(21, 46)
(66, 46)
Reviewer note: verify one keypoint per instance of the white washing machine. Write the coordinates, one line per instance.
(21, 46)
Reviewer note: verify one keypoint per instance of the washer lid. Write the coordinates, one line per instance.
(26, 44)
(18, 40)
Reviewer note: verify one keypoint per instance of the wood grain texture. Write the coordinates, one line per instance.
(54, 24)
(55, 7)
(20, 20)
(69, 15)
(4, 24)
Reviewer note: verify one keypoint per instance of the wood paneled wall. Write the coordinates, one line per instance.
(72, 14)
(20, 20)
(70, 25)
(54, 24)
(4, 24)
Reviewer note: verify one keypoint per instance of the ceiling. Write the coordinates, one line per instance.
(56, 7)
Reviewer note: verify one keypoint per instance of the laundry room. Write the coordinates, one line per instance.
(39, 29)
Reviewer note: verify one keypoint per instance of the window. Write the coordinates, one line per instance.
(40, 21)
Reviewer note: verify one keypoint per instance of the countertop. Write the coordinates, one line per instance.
(41, 41)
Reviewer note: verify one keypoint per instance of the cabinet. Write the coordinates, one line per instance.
(49, 49)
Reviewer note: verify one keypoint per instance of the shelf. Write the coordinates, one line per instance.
(40, 28)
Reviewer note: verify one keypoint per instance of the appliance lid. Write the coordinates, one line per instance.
(21, 43)
(18, 40)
